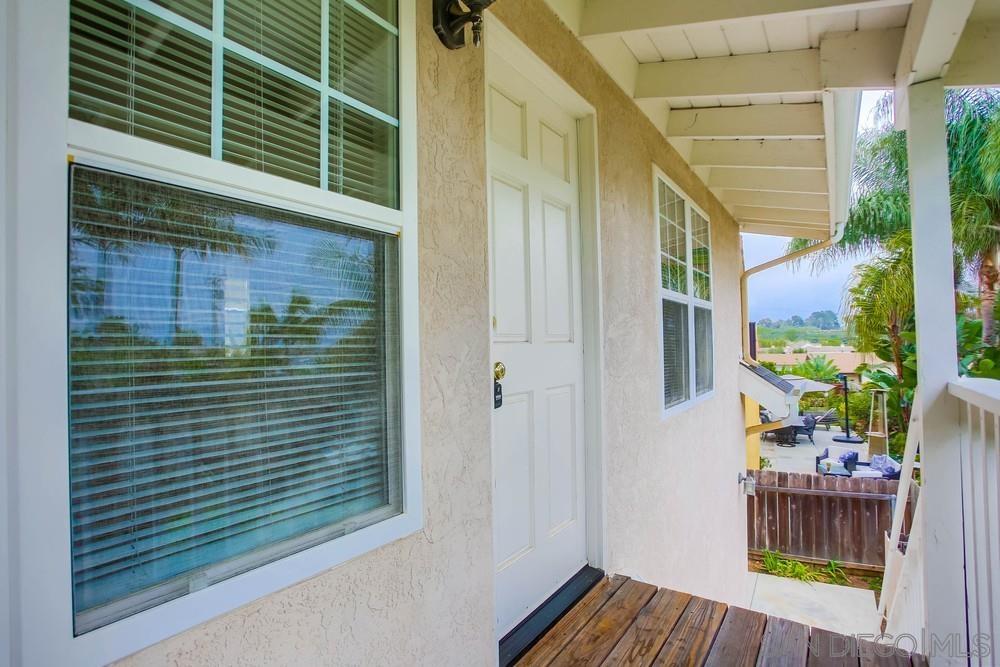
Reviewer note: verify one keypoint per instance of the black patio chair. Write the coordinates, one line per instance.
(807, 429)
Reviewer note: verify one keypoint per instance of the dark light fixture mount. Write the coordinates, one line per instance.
(451, 17)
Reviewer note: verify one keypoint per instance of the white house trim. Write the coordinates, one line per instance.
(933, 287)
(689, 300)
(606, 16)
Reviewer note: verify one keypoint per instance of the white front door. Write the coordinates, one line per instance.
(538, 432)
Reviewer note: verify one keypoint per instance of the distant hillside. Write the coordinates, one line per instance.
(768, 337)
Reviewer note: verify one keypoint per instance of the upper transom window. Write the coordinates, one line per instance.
(305, 90)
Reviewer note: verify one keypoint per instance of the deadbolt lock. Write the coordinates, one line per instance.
(499, 371)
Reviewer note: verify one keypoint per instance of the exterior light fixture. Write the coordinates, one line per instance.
(451, 17)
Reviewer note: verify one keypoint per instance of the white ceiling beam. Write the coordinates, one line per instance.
(932, 33)
(976, 61)
(812, 181)
(859, 59)
(601, 17)
(768, 153)
(794, 216)
(752, 74)
(863, 59)
(778, 229)
(785, 200)
(757, 121)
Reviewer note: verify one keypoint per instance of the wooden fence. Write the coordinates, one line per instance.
(822, 517)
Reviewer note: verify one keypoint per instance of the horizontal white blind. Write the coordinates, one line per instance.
(676, 373)
(135, 74)
(233, 388)
(312, 102)
(269, 122)
(287, 31)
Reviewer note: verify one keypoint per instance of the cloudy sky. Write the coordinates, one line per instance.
(784, 291)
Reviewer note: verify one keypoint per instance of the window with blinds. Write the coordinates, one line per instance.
(676, 378)
(305, 90)
(234, 388)
(685, 258)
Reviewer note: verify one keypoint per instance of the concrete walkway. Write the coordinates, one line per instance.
(842, 609)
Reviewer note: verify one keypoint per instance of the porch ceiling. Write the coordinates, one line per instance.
(761, 98)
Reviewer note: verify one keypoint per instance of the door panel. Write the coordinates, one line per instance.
(514, 501)
(561, 417)
(539, 511)
(558, 260)
(511, 304)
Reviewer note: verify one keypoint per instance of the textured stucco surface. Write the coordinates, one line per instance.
(674, 515)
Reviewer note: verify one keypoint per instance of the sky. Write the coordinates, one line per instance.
(787, 290)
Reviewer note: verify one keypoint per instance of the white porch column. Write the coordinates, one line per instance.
(934, 291)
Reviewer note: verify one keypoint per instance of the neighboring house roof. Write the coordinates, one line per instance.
(774, 379)
(777, 395)
(846, 362)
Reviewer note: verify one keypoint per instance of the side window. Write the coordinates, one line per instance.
(685, 256)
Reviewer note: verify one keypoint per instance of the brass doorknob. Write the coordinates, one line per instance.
(499, 371)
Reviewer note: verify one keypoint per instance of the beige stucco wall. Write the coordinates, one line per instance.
(674, 515)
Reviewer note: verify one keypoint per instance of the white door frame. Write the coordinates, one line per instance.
(502, 43)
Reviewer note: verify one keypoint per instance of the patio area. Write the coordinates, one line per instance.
(802, 457)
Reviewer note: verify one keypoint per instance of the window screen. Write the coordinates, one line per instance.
(234, 388)
(675, 353)
(703, 366)
(272, 90)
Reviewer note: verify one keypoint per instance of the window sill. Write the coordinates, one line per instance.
(129, 635)
(674, 410)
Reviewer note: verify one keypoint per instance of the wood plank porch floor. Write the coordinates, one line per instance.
(625, 622)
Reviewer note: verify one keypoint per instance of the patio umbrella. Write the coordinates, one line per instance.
(805, 385)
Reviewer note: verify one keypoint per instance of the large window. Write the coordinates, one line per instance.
(234, 388)
(305, 90)
(685, 256)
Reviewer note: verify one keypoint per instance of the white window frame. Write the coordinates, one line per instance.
(689, 300)
(42, 138)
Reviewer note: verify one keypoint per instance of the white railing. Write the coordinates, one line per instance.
(980, 456)
(894, 558)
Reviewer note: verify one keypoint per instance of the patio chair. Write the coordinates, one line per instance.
(825, 419)
(839, 461)
(807, 429)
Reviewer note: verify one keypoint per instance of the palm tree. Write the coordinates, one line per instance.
(199, 228)
(879, 301)
(817, 368)
(105, 210)
(112, 214)
(880, 206)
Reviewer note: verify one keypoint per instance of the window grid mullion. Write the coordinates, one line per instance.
(218, 53)
(692, 334)
(219, 41)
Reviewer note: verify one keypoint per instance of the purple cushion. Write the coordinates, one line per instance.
(849, 457)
